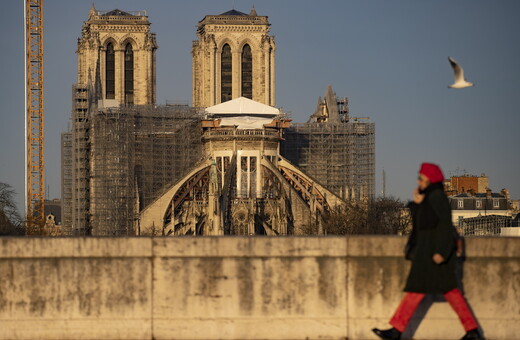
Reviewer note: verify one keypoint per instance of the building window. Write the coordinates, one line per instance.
(252, 176)
(460, 204)
(243, 164)
(496, 204)
(129, 75)
(110, 72)
(247, 72)
(478, 204)
(226, 76)
(226, 163)
(219, 164)
(243, 177)
(252, 164)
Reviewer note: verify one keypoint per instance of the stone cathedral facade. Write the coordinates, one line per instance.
(233, 57)
(229, 164)
(116, 69)
(116, 53)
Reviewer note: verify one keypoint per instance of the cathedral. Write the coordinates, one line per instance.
(229, 164)
(233, 56)
(116, 54)
(244, 186)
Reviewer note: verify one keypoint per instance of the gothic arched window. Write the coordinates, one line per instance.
(110, 72)
(226, 76)
(129, 75)
(247, 72)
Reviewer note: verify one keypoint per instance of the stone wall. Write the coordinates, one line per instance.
(237, 288)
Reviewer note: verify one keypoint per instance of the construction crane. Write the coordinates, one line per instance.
(34, 123)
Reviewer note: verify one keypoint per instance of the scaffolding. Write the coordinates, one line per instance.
(484, 225)
(137, 153)
(335, 149)
(123, 158)
(111, 169)
(66, 179)
(340, 156)
(81, 159)
(168, 145)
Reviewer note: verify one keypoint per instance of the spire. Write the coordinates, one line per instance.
(253, 12)
(332, 105)
(92, 10)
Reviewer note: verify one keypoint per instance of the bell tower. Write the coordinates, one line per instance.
(116, 57)
(233, 57)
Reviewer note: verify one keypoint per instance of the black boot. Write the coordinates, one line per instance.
(474, 334)
(387, 334)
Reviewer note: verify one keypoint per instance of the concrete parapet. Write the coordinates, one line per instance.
(90, 247)
(238, 288)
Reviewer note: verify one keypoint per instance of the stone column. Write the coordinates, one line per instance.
(102, 73)
(195, 77)
(267, 75)
(218, 81)
(212, 81)
(237, 69)
(147, 90)
(272, 77)
(203, 77)
(119, 73)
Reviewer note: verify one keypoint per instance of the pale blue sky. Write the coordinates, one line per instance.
(388, 57)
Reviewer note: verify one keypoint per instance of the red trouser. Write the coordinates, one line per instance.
(411, 301)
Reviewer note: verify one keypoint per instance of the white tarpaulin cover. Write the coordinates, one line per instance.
(242, 105)
(245, 122)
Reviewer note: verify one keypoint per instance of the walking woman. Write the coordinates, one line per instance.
(432, 249)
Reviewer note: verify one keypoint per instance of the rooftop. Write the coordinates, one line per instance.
(478, 195)
(234, 17)
(233, 12)
(242, 107)
(123, 15)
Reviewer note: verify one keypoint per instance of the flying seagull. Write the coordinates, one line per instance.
(460, 82)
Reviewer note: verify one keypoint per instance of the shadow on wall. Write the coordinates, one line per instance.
(430, 299)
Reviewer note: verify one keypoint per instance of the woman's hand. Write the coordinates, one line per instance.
(437, 258)
(417, 197)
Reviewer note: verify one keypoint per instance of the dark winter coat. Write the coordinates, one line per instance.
(432, 233)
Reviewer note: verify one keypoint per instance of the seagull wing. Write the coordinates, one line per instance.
(457, 70)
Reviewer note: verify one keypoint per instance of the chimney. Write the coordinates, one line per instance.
(488, 193)
(505, 192)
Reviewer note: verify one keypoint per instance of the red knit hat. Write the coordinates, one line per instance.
(432, 171)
